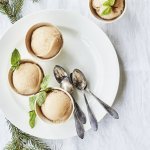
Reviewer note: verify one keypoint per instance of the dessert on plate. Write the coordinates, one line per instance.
(57, 107)
(44, 40)
(25, 76)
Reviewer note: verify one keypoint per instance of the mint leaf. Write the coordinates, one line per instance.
(32, 100)
(106, 11)
(15, 59)
(106, 3)
(40, 98)
(111, 2)
(32, 116)
(45, 81)
(15, 67)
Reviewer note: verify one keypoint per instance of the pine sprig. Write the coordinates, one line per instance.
(24, 141)
(11, 8)
(35, 1)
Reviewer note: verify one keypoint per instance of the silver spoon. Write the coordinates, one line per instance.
(78, 84)
(66, 85)
(79, 126)
(79, 81)
(79, 116)
(62, 78)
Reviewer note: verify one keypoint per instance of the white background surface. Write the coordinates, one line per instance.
(130, 36)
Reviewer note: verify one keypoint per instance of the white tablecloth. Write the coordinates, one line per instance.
(131, 37)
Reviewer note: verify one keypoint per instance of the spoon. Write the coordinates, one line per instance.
(80, 82)
(79, 126)
(79, 116)
(62, 78)
(92, 118)
(66, 85)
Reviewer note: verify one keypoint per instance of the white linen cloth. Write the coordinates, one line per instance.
(131, 38)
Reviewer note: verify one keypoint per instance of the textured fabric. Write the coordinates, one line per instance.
(130, 36)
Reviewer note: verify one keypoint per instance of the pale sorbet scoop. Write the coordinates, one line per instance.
(27, 78)
(57, 106)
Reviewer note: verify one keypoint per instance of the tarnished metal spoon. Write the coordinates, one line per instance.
(80, 118)
(80, 82)
(79, 126)
(67, 85)
(64, 80)
(80, 86)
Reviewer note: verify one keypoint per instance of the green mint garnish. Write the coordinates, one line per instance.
(32, 100)
(15, 59)
(107, 11)
(32, 116)
(108, 4)
(45, 82)
(39, 98)
(111, 2)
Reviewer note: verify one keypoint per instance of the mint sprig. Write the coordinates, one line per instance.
(109, 4)
(39, 98)
(15, 59)
(107, 11)
(32, 115)
(45, 82)
(32, 100)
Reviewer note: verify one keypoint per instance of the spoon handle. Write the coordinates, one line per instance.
(92, 117)
(110, 110)
(78, 125)
(80, 114)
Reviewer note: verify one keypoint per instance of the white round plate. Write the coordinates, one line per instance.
(85, 47)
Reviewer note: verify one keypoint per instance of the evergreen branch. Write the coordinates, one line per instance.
(11, 8)
(14, 145)
(35, 1)
(24, 141)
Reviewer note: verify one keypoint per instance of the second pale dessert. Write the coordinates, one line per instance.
(107, 11)
(57, 106)
(46, 41)
(27, 78)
